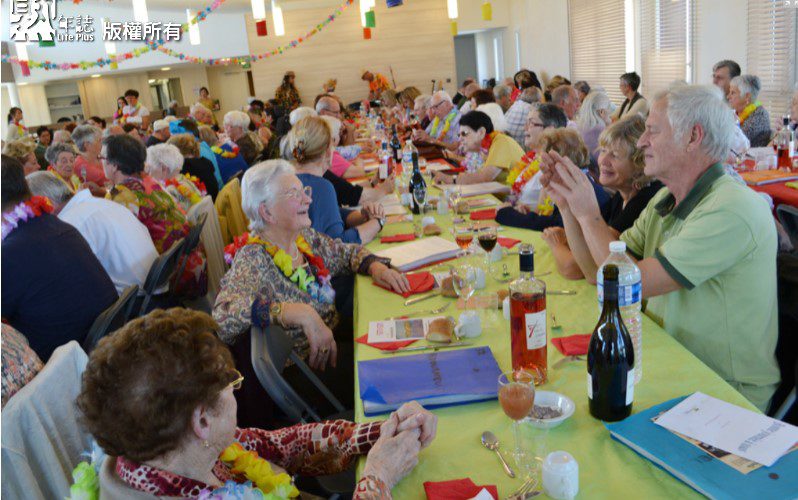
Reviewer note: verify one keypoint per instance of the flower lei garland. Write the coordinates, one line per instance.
(258, 471)
(185, 191)
(21, 131)
(446, 124)
(746, 112)
(228, 150)
(135, 112)
(27, 210)
(487, 141)
(527, 167)
(306, 282)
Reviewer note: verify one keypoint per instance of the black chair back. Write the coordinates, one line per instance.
(788, 216)
(160, 273)
(271, 349)
(191, 241)
(112, 318)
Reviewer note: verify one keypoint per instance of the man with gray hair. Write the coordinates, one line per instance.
(517, 114)
(121, 243)
(503, 94)
(444, 129)
(723, 72)
(705, 244)
(329, 106)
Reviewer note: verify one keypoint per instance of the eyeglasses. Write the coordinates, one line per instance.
(296, 194)
(536, 124)
(434, 106)
(236, 384)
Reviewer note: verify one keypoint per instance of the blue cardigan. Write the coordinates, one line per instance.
(325, 214)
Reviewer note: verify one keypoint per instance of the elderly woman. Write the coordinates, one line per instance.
(61, 158)
(23, 150)
(158, 398)
(236, 125)
(88, 141)
(621, 165)
(478, 136)
(541, 213)
(753, 117)
(594, 116)
(313, 146)
(123, 161)
(284, 271)
(340, 166)
(583, 89)
(196, 168)
(421, 110)
(164, 162)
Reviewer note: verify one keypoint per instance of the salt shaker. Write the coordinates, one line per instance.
(560, 476)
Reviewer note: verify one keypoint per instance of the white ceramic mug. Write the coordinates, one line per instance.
(469, 325)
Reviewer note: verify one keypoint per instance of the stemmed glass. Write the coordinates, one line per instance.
(487, 239)
(517, 397)
(464, 281)
(420, 195)
(463, 235)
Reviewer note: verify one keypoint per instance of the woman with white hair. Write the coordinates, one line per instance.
(236, 126)
(594, 116)
(61, 160)
(88, 141)
(281, 274)
(421, 110)
(339, 165)
(226, 150)
(164, 162)
(753, 117)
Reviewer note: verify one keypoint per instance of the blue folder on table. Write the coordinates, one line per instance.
(697, 468)
(433, 379)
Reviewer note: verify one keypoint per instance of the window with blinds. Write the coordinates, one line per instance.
(598, 49)
(666, 35)
(771, 53)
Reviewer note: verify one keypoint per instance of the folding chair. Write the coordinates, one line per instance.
(112, 318)
(190, 242)
(788, 216)
(160, 273)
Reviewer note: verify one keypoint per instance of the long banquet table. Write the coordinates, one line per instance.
(607, 468)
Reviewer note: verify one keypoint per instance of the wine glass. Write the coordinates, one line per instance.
(517, 397)
(463, 236)
(464, 281)
(487, 239)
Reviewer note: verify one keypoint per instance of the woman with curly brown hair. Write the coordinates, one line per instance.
(157, 396)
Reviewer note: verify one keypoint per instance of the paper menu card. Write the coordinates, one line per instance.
(482, 188)
(399, 329)
(730, 428)
(417, 253)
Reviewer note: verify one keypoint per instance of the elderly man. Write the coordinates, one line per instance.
(160, 133)
(468, 91)
(567, 98)
(516, 116)
(460, 97)
(421, 110)
(444, 130)
(705, 246)
(502, 94)
(329, 106)
(722, 74)
(236, 125)
(201, 114)
(377, 84)
(121, 243)
(634, 103)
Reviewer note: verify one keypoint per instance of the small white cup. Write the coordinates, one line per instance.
(469, 325)
(427, 221)
(506, 308)
(560, 475)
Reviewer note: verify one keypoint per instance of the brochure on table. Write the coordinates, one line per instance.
(417, 253)
(399, 329)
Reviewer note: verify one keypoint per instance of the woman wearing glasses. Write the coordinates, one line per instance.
(158, 398)
(281, 272)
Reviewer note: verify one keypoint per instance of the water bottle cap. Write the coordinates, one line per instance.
(617, 247)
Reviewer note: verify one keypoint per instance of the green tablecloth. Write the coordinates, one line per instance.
(607, 468)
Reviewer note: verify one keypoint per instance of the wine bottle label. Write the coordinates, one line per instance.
(627, 294)
(535, 330)
(589, 386)
(630, 386)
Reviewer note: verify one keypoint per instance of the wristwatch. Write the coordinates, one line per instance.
(381, 221)
(276, 313)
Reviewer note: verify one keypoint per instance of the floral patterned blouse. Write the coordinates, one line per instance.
(20, 363)
(167, 224)
(307, 449)
(254, 276)
(184, 191)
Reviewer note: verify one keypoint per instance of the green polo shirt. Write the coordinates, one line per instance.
(719, 244)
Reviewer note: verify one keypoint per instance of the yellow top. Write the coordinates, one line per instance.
(504, 153)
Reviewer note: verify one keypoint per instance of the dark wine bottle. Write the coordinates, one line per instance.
(610, 358)
(396, 146)
(417, 186)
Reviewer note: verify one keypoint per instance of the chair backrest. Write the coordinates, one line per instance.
(112, 318)
(228, 204)
(271, 349)
(788, 216)
(163, 268)
(190, 243)
(211, 238)
(42, 440)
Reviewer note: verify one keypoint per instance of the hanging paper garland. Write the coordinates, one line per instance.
(260, 28)
(453, 27)
(370, 19)
(112, 60)
(366, 33)
(226, 61)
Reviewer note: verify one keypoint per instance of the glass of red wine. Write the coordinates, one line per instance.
(487, 239)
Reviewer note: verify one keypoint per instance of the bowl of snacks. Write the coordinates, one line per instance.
(550, 410)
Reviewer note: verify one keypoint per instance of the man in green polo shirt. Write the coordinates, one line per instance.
(705, 244)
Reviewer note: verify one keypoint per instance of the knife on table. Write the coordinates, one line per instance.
(429, 347)
(424, 296)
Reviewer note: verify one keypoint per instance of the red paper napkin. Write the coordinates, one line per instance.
(508, 242)
(487, 214)
(385, 346)
(419, 283)
(457, 489)
(397, 238)
(573, 345)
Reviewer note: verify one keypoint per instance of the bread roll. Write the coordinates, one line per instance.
(441, 330)
(432, 230)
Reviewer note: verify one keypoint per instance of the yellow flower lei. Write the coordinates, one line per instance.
(259, 471)
(446, 124)
(189, 194)
(746, 112)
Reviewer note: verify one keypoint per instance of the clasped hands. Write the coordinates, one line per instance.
(568, 186)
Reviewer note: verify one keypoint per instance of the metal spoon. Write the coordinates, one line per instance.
(491, 442)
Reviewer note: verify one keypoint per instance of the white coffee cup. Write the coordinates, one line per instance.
(469, 325)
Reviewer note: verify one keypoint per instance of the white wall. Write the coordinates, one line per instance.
(721, 33)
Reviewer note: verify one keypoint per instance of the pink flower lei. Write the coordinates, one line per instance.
(26, 210)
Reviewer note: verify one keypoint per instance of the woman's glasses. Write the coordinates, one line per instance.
(296, 194)
(239, 380)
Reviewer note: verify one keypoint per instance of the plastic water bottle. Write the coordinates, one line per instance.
(407, 156)
(629, 298)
